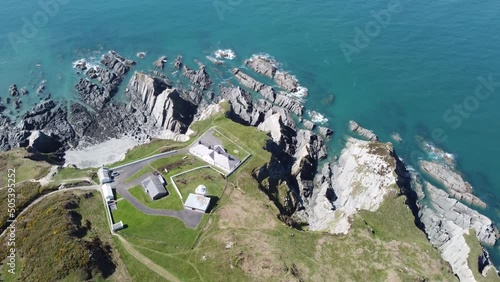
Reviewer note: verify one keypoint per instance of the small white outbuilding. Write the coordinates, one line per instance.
(107, 192)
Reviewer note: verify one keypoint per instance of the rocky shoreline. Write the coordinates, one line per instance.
(324, 198)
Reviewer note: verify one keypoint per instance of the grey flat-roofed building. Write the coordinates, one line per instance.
(103, 174)
(154, 188)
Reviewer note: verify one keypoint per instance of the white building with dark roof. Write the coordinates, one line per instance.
(154, 188)
(215, 155)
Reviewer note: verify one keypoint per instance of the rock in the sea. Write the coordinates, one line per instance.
(262, 65)
(248, 81)
(13, 91)
(396, 137)
(17, 103)
(199, 77)
(364, 175)
(325, 132)
(160, 62)
(286, 81)
(308, 124)
(268, 93)
(141, 55)
(289, 104)
(40, 89)
(94, 95)
(455, 185)
(23, 91)
(363, 132)
(178, 62)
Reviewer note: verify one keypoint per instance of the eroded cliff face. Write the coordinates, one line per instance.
(446, 221)
(364, 175)
(159, 104)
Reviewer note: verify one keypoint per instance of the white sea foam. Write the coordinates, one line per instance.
(93, 64)
(301, 92)
(225, 54)
(317, 117)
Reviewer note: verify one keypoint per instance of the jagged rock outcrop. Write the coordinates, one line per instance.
(289, 104)
(248, 81)
(92, 94)
(160, 62)
(161, 105)
(286, 81)
(178, 62)
(325, 132)
(363, 132)
(262, 65)
(199, 77)
(445, 221)
(455, 185)
(13, 91)
(43, 143)
(364, 175)
(309, 125)
(243, 109)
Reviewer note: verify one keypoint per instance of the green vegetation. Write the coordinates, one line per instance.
(212, 179)
(166, 233)
(69, 173)
(26, 169)
(137, 270)
(171, 202)
(154, 147)
(26, 193)
(72, 226)
(475, 251)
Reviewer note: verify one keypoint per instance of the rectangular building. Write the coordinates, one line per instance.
(154, 188)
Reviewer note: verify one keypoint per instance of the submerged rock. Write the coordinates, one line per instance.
(13, 91)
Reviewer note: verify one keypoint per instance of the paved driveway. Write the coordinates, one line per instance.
(190, 218)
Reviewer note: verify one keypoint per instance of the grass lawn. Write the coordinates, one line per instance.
(212, 179)
(136, 270)
(173, 164)
(171, 202)
(156, 146)
(165, 232)
(25, 168)
(63, 174)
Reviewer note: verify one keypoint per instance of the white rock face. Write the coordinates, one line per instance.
(446, 220)
(364, 175)
(456, 186)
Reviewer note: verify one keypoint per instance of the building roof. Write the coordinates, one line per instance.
(154, 186)
(103, 173)
(198, 202)
(217, 154)
(107, 191)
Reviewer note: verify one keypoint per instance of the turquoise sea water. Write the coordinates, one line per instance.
(421, 63)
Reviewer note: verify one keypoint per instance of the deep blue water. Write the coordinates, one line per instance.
(421, 63)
